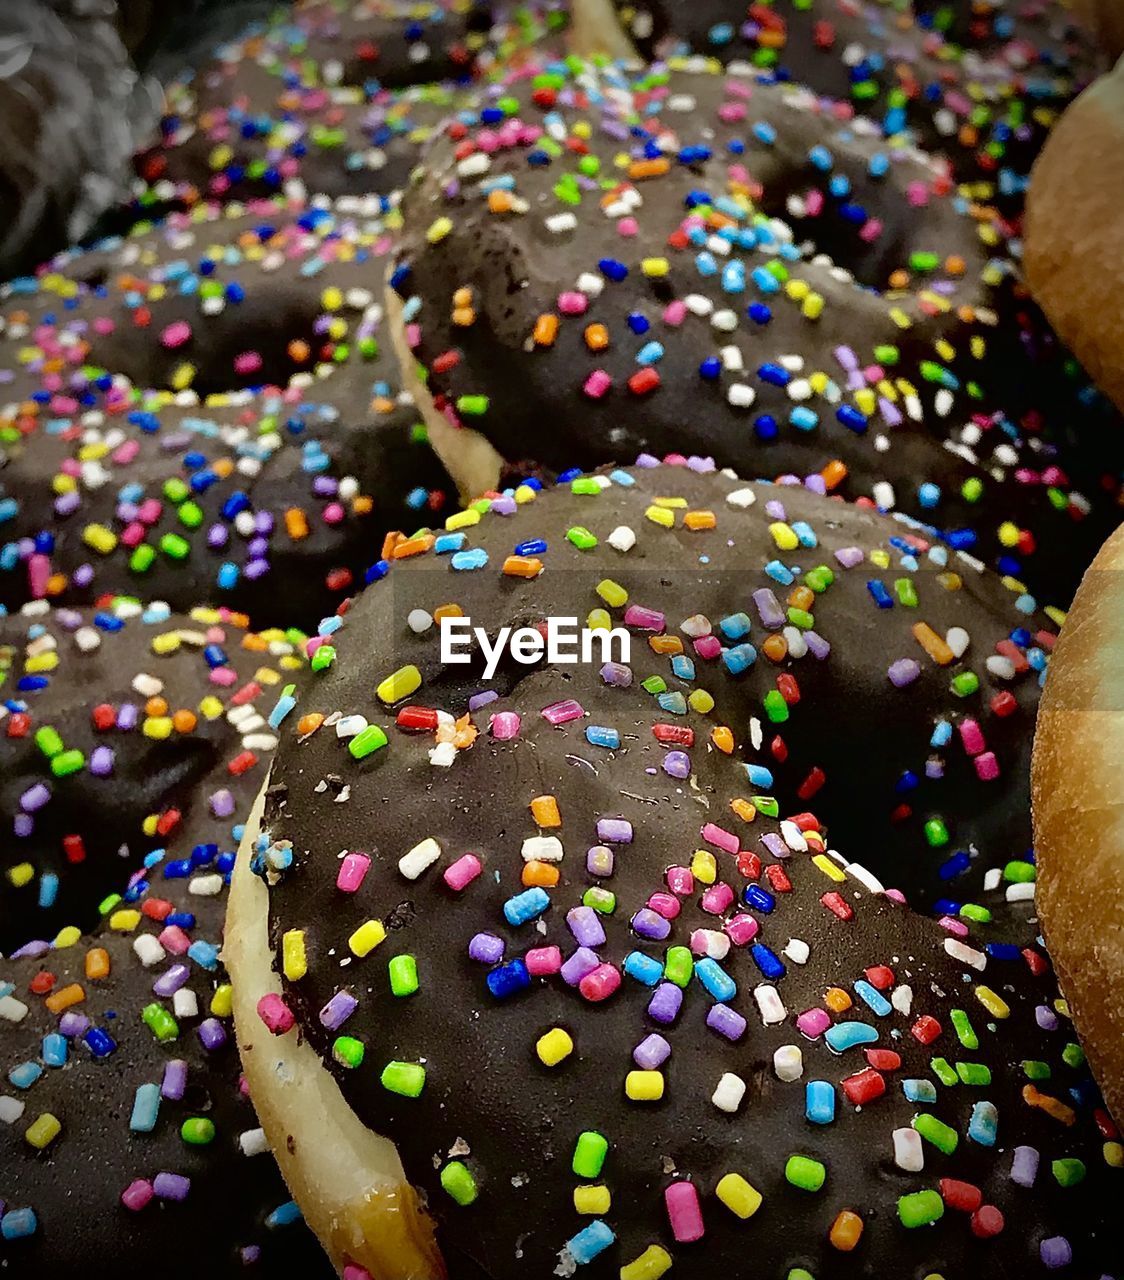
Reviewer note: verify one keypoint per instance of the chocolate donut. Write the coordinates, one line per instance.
(119, 478)
(122, 727)
(540, 1060)
(586, 275)
(127, 1140)
(1077, 814)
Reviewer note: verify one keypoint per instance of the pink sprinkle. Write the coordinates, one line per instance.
(971, 735)
(717, 898)
(352, 872)
(665, 904)
(562, 712)
(813, 204)
(917, 194)
(353, 1271)
(174, 941)
(681, 880)
(628, 227)
(505, 725)
(675, 313)
(125, 453)
(104, 324)
(223, 676)
(413, 336)
(334, 513)
(644, 619)
(708, 648)
(137, 1194)
(724, 839)
(742, 929)
(462, 873)
(150, 510)
(572, 303)
(896, 895)
(951, 925)
(276, 1014)
(133, 534)
(312, 644)
(248, 362)
(176, 334)
(600, 983)
(597, 384)
(684, 1212)
(38, 574)
(729, 112)
(987, 767)
(813, 1023)
(871, 230)
(541, 962)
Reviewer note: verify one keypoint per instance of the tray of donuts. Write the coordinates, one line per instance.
(559, 574)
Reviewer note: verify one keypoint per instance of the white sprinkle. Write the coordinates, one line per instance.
(421, 856)
(622, 538)
(909, 1154)
(185, 1003)
(770, 1004)
(729, 1093)
(542, 849)
(797, 951)
(965, 955)
(252, 1142)
(743, 498)
(148, 949)
(788, 1063)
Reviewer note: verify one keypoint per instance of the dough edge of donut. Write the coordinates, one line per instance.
(1079, 819)
(595, 29)
(347, 1180)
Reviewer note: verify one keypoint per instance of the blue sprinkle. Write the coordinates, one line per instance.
(879, 594)
(600, 736)
(924, 1091)
(739, 659)
(284, 1215)
(735, 625)
(759, 899)
(845, 1035)
(589, 1242)
(716, 980)
(100, 1043)
(18, 1224)
(767, 961)
(53, 1051)
(873, 998)
(464, 561)
(508, 979)
(24, 1074)
(643, 968)
(146, 1107)
(758, 775)
(819, 1102)
(526, 906)
(984, 1124)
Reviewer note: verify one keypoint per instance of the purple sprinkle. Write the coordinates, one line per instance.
(486, 948)
(263, 522)
(815, 483)
(666, 1001)
(169, 982)
(337, 1011)
(774, 509)
(890, 412)
(325, 487)
(585, 925)
(101, 761)
(617, 674)
(1055, 1252)
(23, 824)
(127, 715)
(222, 803)
(503, 506)
(212, 1034)
(1046, 1018)
(768, 609)
(726, 1021)
(256, 569)
(600, 860)
(31, 950)
(775, 845)
(1024, 1166)
(903, 672)
(701, 466)
(818, 647)
(636, 615)
(83, 575)
(171, 1186)
(583, 961)
(68, 503)
(651, 1053)
(216, 536)
(849, 557)
(648, 461)
(847, 358)
(174, 1084)
(651, 925)
(934, 768)
(614, 830)
(257, 549)
(250, 1254)
(72, 1025)
(35, 797)
(562, 712)
(677, 764)
(479, 700)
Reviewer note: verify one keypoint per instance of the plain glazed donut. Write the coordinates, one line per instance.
(120, 477)
(1073, 230)
(1078, 819)
(121, 725)
(688, 261)
(128, 1144)
(551, 948)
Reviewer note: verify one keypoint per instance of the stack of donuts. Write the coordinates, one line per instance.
(357, 354)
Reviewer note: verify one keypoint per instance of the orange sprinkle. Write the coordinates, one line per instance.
(56, 584)
(723, 739)
(542, 875)
(184, 721)
(846, 1231)
(299, 351)
(223, 467)
(309, 723)
(296, 524)
(596, 337)
(156, 707)
(649, 168)
(447, 611)
(834, 474)
(500, 201)
(254, 642)
(414, 546)
(97, 963)
(837, 1000)
(665, 644)
(392, 539)
(522, 566)
(462, 297)
(1052, 1107)
(544, 810)
(700, 520)
(775, 648)
(802, 598)
(955, 265)
(464, 734)
(546, 330)
(932, 643)
(363, 505)
(899, 279)
(65, 997)
(744, 810)
(463, 317)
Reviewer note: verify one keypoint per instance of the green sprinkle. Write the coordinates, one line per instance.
(965, 684)
(942, 1069)
(801, 618)
(366, 741)
(805, 1173)
(972, 490)
(767, 806)
(920, 1209)
(1019, 872)
(459, 1182)
(974, 1073)
(472, 406)
(972, 911)
(198, 1131)
(160, 1022)
(937, 1132)
(922, 261)
(1068, 1172)
(405, 1078)
(587, 486)
(601, 900)
(108, 904)
(678, 966)
(403, 975)
(581, 537)
(887, 355)
(775, 706)
(48, 740)
(1034, 1069)
(174, 546)
(965, 1033)
(906, 592)
(819, 579)
(348, 1051)
(141, 559)
(67, 762)
(936, 833)
(1073, 1055)
(654, 684)
(589, 1154)
(176, 490)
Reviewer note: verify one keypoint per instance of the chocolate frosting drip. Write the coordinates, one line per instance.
(488, 1100)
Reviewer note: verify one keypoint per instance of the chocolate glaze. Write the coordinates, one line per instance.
(180, 781)
(239, 456)
(986, 474)
(487, 1099)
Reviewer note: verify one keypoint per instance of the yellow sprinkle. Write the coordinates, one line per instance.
(366, 938)
(210, 708)
(100, 539)
(866, 401)
(819, 382)
(783, 536)
(644, 1086)
(332, 298)
(41, 662)
(399, 685)
(655, 266)
(158, 727)
(599, 620)
(704, 866)
(701, 701)
(462, 519)
(1009, 533)
(673, 504)
(125, 920)
(294, 958)
(438, 230)
(42, 1132)
(612, 593)
(1114, 1155)
(830, 869)
(881, 558)
(166, 642)
(994, 1004)
(797, 289)
(19, 875)
(222, 1002)
(148, 826)
(654, 1262)
(183, 377)
(1055, 614)
(899, 317)
(738, 1196)
(661, 516)
(525, 494)
(68, 936)
(1013, 584)
(594, 1200)
(813, 306)
(554, 1047)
